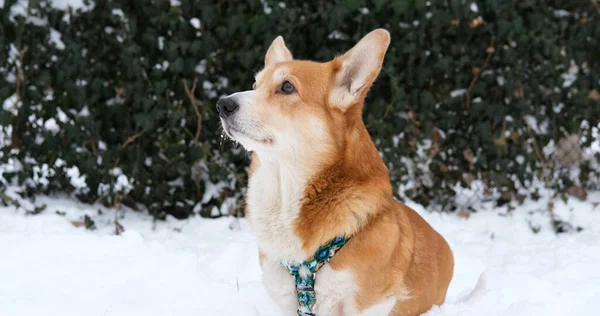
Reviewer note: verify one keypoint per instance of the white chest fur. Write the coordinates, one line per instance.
(334, 290)
(274, 194)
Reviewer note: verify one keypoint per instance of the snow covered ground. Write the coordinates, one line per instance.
(210, 267)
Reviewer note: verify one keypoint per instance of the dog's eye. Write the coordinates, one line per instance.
(287, 88)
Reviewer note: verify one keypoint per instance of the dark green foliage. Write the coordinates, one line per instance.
(116, 92)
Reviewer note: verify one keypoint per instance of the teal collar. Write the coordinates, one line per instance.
(305, 284)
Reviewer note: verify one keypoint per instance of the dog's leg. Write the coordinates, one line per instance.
(281, 286)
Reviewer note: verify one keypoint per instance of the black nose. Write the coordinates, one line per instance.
(226, 106)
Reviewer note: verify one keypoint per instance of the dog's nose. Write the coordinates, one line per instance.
(226, 106)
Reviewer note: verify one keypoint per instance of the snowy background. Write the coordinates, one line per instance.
(50, 265)
(62, 257)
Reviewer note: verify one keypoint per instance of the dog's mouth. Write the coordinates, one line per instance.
(238, 135)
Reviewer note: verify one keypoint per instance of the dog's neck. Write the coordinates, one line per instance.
(296, 206)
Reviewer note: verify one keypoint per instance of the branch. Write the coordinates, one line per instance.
(190, 94)
(476, 73)
(15, 140)
(131, 139)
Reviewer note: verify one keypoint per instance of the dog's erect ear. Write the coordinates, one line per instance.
(277, 52)
(358, 69)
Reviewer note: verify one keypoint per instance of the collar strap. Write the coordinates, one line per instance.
(305, 282)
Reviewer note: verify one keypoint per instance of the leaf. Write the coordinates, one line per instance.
(594, 95)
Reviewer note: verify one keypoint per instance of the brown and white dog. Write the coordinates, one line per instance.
(316, 175)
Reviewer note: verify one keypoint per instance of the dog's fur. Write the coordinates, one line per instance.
(316, 175)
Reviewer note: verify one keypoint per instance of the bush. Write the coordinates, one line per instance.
(114, 101)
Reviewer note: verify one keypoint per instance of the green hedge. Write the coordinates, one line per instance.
(95, 102)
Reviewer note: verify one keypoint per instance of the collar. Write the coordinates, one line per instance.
(305, 282)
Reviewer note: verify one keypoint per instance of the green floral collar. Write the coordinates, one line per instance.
(305, 283)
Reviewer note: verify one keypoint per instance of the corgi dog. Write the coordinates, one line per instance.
(315, 175)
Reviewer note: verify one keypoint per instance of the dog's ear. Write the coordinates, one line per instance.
(357, 69)
(277, 52)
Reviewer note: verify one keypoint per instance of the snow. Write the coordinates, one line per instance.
(195, 22)
(11, 104)
(561, 13)
(51, 126)
(74, 4)
(18, 9)
(457, 92)
(123, 184)
(500, 80)
(62, 116)
(55, 38)
(161, 42)
(541, 129)
(474, 7)
(119, 13)
(337, 35)
(266, 7)
(76, 179)
(210, 267)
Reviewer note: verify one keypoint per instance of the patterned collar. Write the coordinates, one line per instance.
(305, 282)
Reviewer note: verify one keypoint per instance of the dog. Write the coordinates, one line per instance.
(316, 175)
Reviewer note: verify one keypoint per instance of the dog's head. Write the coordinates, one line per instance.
(302, 109)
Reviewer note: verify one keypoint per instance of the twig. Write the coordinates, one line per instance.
(190, 94)
(15, 140)
(490, 51)
(131, 139)
(595, 2)
(553, 218)
(19, 71)
(116, 205)
(94, 150)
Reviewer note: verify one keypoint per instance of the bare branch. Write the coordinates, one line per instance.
(190, 94)
(476, 73)
(131, 139)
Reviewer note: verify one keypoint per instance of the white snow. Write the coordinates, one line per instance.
(76, 179)
(55, 38)
(500, 80)
(457, 92)
(11, 104)
(62, 116)
(474, 7)
(561, 13)
(18, 9)
(210, 267)
(195, 22)
(123, 184)
(119, 13)
(266, 7)
(84, 112)
(532, 122)
(568, 79)
(201, 67)
(74, 4)
(161, 42)
(51, 126)
(337, 35)
(404, 25)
